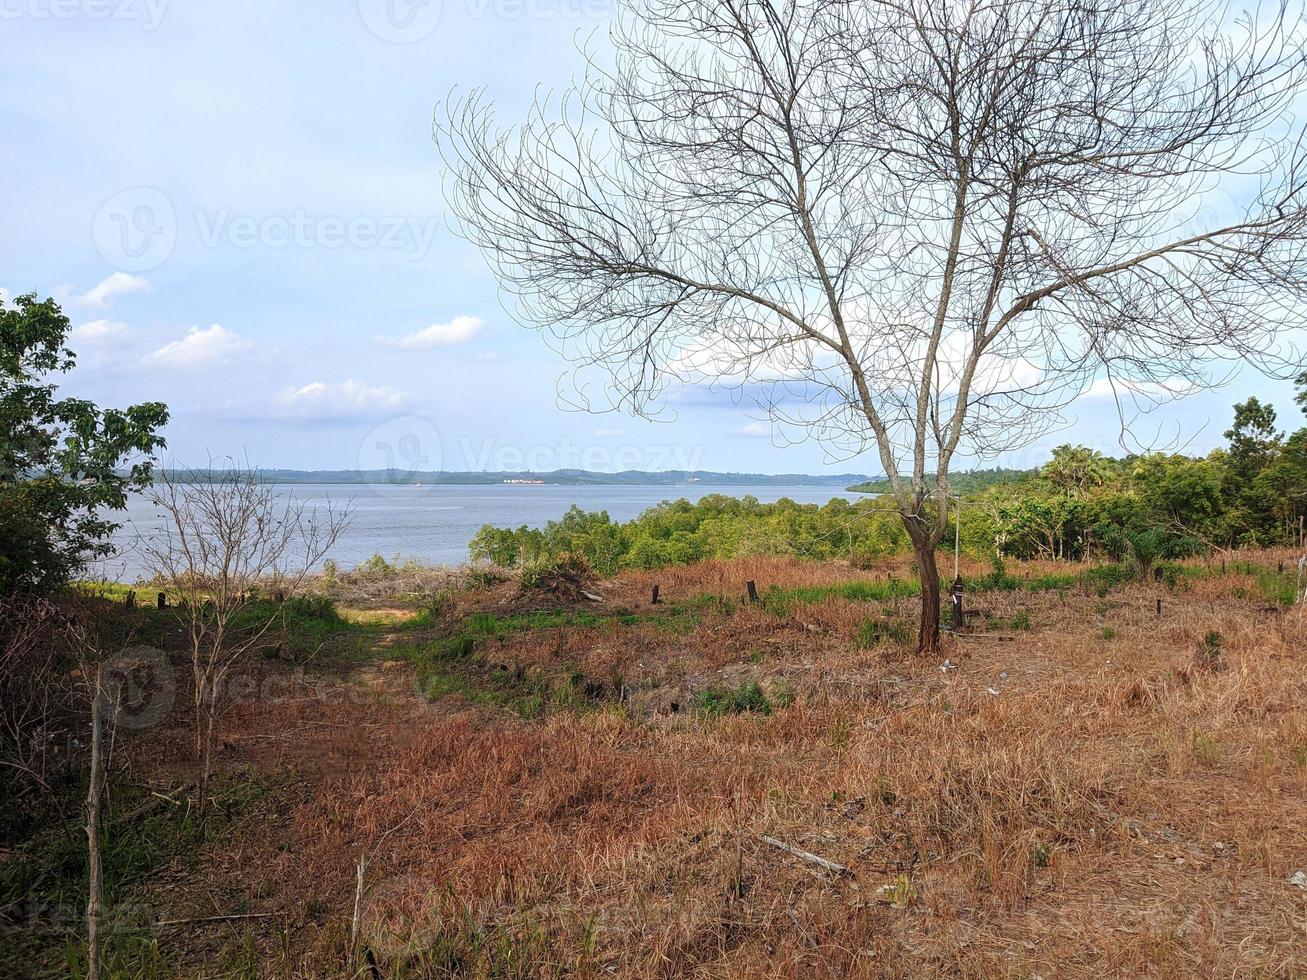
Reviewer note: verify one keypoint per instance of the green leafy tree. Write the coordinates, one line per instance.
(1254, 445)
(65, 464)
(1253, 439)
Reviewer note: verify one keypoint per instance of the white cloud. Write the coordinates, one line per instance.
(118, 284)
(755, 430)
(349, 399)
(4, 295)
(98, 332)
(211, 346)
(459, 330)
(1145, 390)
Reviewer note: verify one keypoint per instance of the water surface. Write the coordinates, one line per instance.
(435, 523)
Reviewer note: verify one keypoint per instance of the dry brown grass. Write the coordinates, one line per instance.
(1062, 803)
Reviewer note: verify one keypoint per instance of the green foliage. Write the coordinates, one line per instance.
(968, 482)
(748, 697)
(716, 526)
(64, 463)
(1138, 511)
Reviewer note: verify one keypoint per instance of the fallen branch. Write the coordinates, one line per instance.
(217, 918)
(821, 862)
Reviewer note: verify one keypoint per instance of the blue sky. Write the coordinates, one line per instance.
(239, 204)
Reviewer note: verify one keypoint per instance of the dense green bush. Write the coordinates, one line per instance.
(65, 464)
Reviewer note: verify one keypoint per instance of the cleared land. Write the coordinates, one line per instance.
(543, 786)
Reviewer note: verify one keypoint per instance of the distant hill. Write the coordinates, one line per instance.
(665, 478)
(968, 482)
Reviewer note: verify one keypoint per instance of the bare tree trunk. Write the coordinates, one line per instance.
(94, 794)
(200, 688)
(928, 634)
(206, 755)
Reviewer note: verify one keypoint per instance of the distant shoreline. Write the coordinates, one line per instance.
(575, 478)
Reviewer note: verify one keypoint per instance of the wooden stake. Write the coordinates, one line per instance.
(753, 590)
(654, 600)
(358, 908)
(94, 794)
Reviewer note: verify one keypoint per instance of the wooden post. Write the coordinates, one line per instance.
(94, 795)
(1159, 608)
(163, 600)
(959, 614)
(753, 590)
(654, 598)
(130, 602)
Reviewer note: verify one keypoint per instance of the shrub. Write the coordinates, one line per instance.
(748, 697)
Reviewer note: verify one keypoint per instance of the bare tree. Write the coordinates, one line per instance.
(919, 227)
(232, 551)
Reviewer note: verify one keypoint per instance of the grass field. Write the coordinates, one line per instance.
(1078, 786)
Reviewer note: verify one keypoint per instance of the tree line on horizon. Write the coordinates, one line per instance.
(1079, 506)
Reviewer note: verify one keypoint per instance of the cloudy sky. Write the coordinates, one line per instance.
(239, 206)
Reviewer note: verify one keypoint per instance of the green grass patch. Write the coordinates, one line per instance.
(1278, 588)
(875, 631)
(749, 697)
(456, 665)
